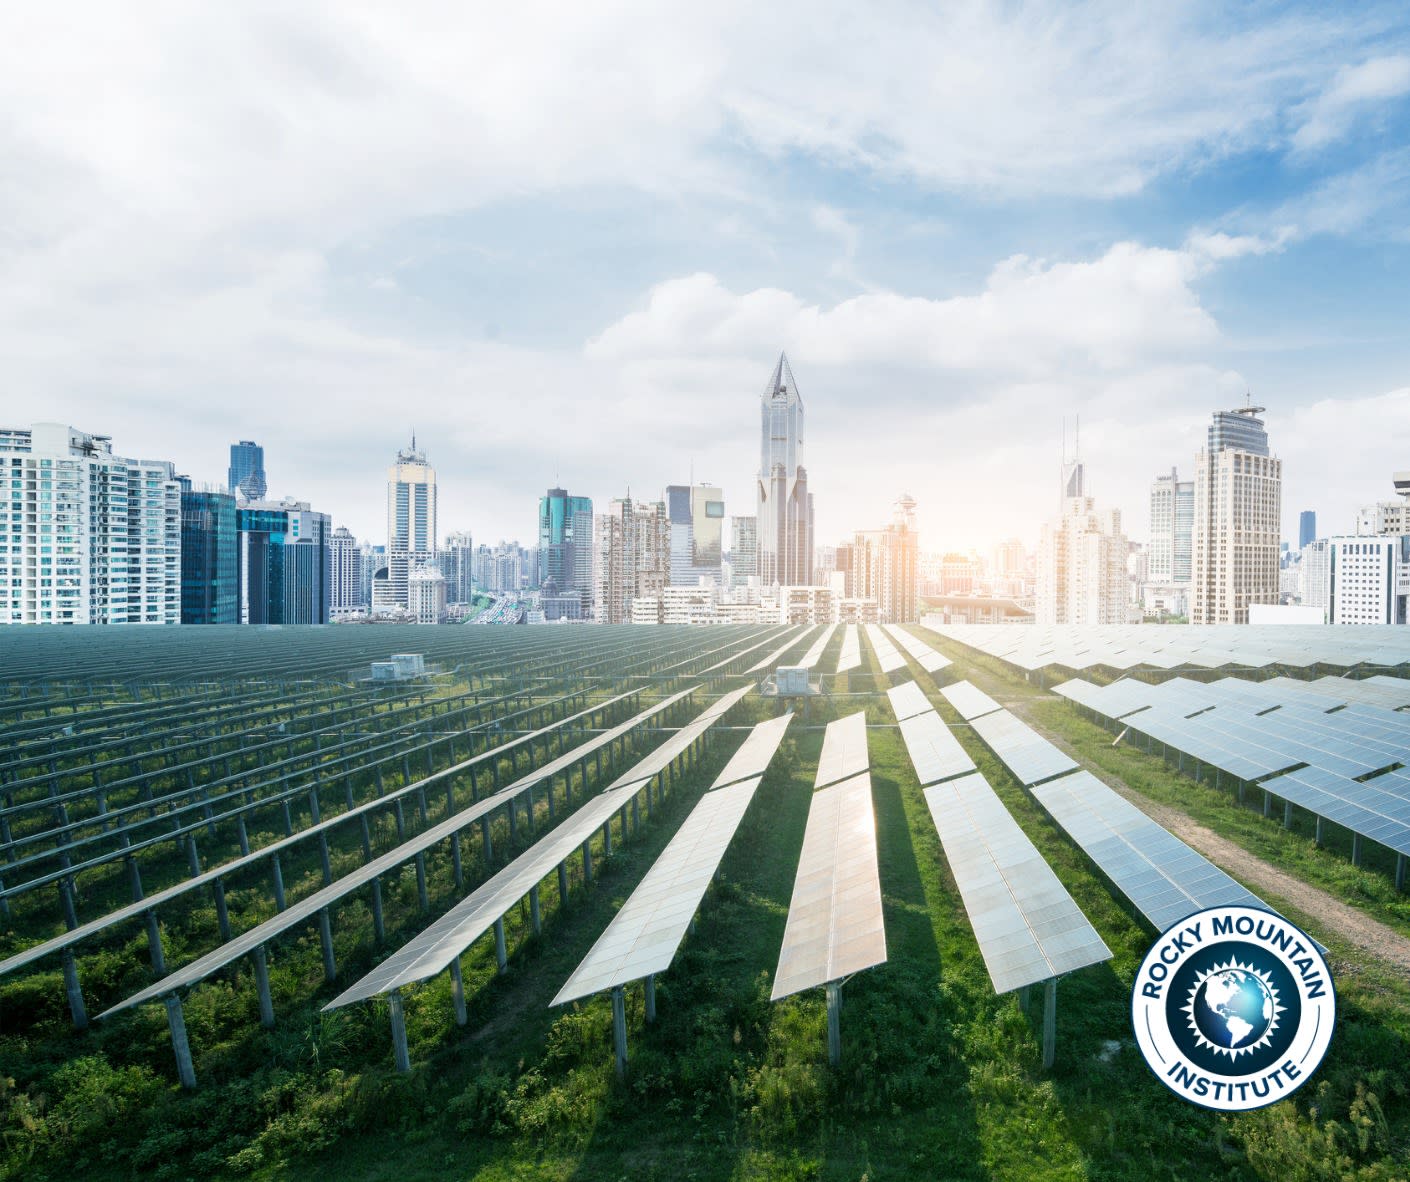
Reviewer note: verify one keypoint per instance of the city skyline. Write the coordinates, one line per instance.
(1134, 220)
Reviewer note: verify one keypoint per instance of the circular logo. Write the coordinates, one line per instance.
(1233, 1008)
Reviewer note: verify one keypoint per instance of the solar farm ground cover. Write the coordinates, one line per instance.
(939, 1077)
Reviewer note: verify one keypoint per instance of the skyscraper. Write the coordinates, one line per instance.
(1081, 573)
(785, 514)
(284, 563)
(458, 566)
(411, 527)
(1172, 530)
(1306, 528)
(1237, 527)
(345, 573)
(696, 513)
(565, 543)
(247, 470)
(631, 556)
(86, 537)
(884, 566)
(743, 550)
(210, 592)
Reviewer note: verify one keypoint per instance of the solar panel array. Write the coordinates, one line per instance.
(887, 655)
(1378, 809)
(834, 923)
(442, 942)
(851, 655)
(1028, 927)
(1028, 756)
(1163, 877)
(794, 636)
(643, 936)
(814, 654)
(1158, 646)
(935, 752)
(970, 701)
(925, 656)
(844, 752)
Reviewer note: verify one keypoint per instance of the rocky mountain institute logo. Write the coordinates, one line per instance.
(1233, 1008)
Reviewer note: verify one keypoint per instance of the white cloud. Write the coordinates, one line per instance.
(1352, 92)
(1131, 305)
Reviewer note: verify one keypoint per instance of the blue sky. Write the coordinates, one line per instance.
(567, 243)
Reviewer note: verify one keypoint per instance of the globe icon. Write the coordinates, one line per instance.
(1233, 1008)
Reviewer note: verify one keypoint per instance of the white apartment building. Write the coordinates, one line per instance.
(1358, 580)
(1081, 575)
(426, 595)
(86, 537)
(1238, 520)
(411, 527)
(631, 557)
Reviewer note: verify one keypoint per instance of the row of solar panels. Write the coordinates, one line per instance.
(1155, 646)
(1028, 927)
(1337, 756)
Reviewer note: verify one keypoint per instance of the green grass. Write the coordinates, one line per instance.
(939, 1078)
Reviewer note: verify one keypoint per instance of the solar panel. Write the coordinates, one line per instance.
(844, 751)
(643, 936)
(935, 752)
(814, 654)
(851, 655)
(1027, 755)
(661, 758)
(834, 923)
(301, 911)
(886, 655)
(926, 657)
(969, 701)
(777, 655)
(908, 699)
(753, 757)
(1163, 877)
(1376, 809)
(1028, 927)
(443, 941)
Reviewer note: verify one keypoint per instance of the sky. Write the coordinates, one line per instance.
(565, 244)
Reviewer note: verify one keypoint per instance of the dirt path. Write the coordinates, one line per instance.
(1328, 912)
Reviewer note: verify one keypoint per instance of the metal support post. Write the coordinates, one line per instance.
(244, 834)
(222, 913)
(607, 838)
(651, 997)
(154, 944)
(1267, 803)
(619, 1030)
(457, 992)
(1287, 814)
(1400, 872)
(422, 897)
(277, 871)
(562, 883)
(324, 860)
(399, 1051)
(1049, 1021)
(587, 863)
(325, 937)
(534, 909)
(77, 1012)
(1356, 849)
(489, 847)
(834, 1022)
(266, 1000)
(456, 867)
(176, 1023)
(379, 927)
(499, 953)
(1318, 838)
(66, 896)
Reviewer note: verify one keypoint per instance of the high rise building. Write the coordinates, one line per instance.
(411, 527)
(1172, 530)
(247, 471)
(210, 592)
(884, 566)
(1388, 517)
(458, 566)
(1306, 528)
(1358, 580)
(743, 550)
(284, 563)
(1237, 526)
(785, 514)
(631, 556)
(696, 513)
(371, 560)
(1081, 575)
(565, 544)
(427, 595)
(345, 574)
(86, 537)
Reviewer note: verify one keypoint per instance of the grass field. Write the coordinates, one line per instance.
(939, 1078)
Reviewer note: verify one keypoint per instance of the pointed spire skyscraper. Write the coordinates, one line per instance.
(785, 528)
